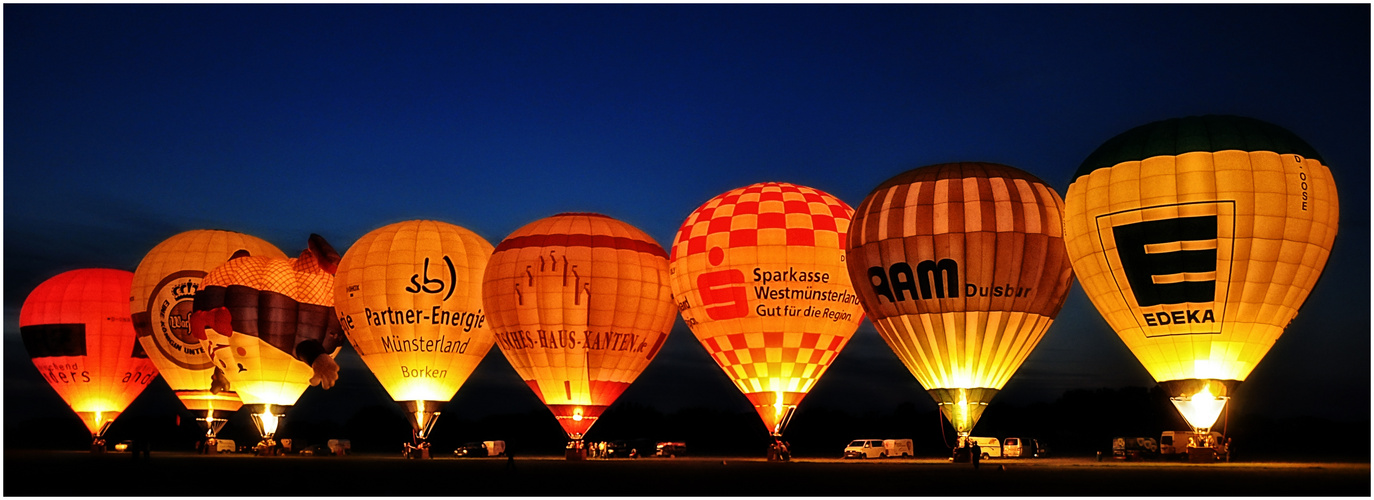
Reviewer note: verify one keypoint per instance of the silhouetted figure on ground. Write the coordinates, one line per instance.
(975, 453)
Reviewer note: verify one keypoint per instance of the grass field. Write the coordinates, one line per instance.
(48, 473)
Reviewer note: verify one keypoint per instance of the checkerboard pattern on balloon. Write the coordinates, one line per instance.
(770, 213)
(795, 361)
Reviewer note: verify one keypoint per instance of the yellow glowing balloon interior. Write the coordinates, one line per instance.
(409, 298)
(1201, 410)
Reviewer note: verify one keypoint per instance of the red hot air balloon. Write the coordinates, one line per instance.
(77, 329)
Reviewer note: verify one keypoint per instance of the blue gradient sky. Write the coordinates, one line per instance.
(125, 125)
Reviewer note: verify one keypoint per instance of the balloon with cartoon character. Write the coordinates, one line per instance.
(164, 286)
(278, 317)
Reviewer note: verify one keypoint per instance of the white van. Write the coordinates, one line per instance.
(1016, 447)
(988, 447)
(495, 448)
(866, 448)
(898, 447)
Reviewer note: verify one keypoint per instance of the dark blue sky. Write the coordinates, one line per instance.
(125, 125)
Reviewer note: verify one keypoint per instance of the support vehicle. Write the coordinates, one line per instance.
(878, 448)
(1019, 447)
(1135, 448)
(988, 447)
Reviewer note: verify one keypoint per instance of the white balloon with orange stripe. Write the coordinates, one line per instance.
(759, 276)
(962, 268)
(580, 305)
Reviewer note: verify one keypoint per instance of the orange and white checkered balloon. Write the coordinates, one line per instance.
(759, 276)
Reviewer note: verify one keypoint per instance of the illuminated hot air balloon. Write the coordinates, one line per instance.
(759, 276)
(961, 267)
(164, 285)
(580, 305)
(1198, 239)
(276, 316)
(409, 297)
(76, 328)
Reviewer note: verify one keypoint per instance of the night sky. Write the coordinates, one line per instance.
(125, 125)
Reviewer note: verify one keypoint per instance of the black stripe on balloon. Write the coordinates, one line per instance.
(58, 339)
(279, 320)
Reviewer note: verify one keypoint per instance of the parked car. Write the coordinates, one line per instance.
(632, 448)
(670, 449)
(481, 449)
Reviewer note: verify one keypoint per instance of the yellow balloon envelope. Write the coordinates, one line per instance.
(76, 328)
(580, 305)
(1198, 239)
(759, 276)
(409, 297)
(961, 267)
(164, 286)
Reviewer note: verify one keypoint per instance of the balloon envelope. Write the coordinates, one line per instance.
(1198, 239)
(76, 327)
(409, 298)
(164, 286)
(961, 267)
(281, 317)
(758, 274)
(580, 305)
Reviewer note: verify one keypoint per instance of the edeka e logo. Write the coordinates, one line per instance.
(1172, 259)
(1158, 264)
(723, 292)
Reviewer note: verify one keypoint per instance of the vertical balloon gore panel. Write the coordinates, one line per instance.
(961, 267)
(1198, 239)
(580, 304)
(76, 328)
(164, 287)
(758, 274)
(409, 298)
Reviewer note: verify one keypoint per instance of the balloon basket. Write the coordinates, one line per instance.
(98, 445)
(778, 451)
(575, 450)
(416, 451)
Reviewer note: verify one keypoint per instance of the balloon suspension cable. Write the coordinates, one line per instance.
(940, 417)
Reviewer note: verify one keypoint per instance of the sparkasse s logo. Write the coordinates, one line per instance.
(1173, 259)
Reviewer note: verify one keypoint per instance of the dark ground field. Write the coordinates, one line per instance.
(68, 473)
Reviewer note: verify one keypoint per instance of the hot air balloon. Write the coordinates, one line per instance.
(276, 318)
(409, 297)
(1198, 239)
(759, 276)
(164, 285)
(76, 328)
(961, 267)
(580, 305)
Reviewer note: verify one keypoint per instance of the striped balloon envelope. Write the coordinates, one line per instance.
(580, 305)
(77, 330)
(759, 276)
(278, 317)
(961, 267)
(165, 284)
(1198, 239)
